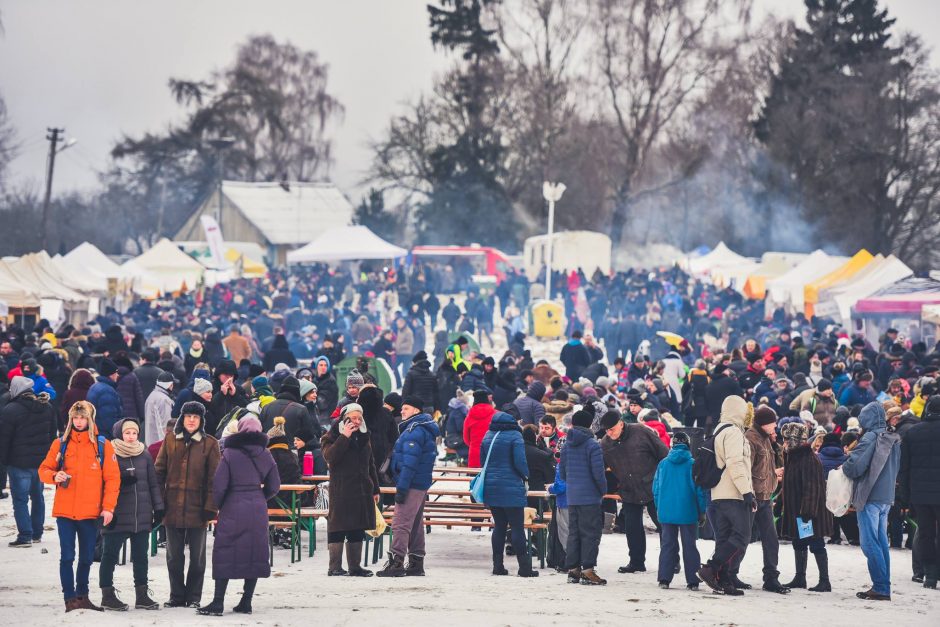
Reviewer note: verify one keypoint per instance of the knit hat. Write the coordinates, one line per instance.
(764, 415)
(19, 385)
(480, 397)
(350, 407)
(589, 391)
(201, 386)
(291, 385)
(250, 424)
(603, 382)
(354, 378)
(582, 418)
(165, 380)
(306, 387)
(560, 395)
(255, 370)
(278, 429)
(823, 385)
(853, 425)
(281, 367)
(681, 437)
(124, 425)
(610, 419)
(29, 367)
(393, 399)
(413, 401)
(261, 385)
(419, 356)
(193, 408)
(107, 367)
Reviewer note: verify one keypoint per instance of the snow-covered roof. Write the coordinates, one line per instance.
(295, 215)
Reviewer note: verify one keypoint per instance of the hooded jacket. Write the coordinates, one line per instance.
(414, 453)
(531, 410)
(875, 461)
(763, 463)
(158, 410)
(327, 389)
(475, 427)
(453, 426)
(678, 500)
(185, 469)
(132, 395)
(93, 487)
(27, 425)
(582, 468)
(507, 470)
(733, 453)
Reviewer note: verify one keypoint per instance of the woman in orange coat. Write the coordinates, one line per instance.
(87, 480)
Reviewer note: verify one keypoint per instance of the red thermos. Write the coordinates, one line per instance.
(308, 463)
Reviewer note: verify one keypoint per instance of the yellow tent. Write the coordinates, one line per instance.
(847, 270)
(250, 267)
(755, 287)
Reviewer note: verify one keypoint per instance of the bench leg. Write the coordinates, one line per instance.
(271, 546)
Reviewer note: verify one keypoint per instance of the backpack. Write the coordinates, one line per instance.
(63, 446)
(705, 470)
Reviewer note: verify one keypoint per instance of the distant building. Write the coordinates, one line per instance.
(277, 216)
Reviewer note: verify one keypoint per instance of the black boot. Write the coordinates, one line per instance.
(822, 562)
(394, 567)
(498, 568)
(353, 557)
(415, 566)
(215, 608)
(143, 600)
(774, 585)
(799, 580)
(110, 600)
(740, 585)
(336, 560)
(244, 606)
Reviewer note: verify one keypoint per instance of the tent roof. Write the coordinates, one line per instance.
(851, 267)
(249, 265)
(905, 296)
(720, 255)
(89, 257)
(78, 278)
(788, 287)
(346, 243)
(164, 256)
(36, 272)
(289, 216)
(12, 292)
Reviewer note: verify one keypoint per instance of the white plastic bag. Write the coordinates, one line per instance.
(838, 492)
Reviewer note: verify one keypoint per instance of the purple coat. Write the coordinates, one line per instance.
(132, 395)
(240, 550)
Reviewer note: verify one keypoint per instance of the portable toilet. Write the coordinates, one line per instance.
(548, 319)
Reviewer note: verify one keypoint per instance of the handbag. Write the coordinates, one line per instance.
(380, 524)
(476, 485)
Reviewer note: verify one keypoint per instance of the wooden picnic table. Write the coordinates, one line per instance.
(296, 490)
(457, 470)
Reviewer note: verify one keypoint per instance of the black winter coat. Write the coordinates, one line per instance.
(27, 428)
(919, 477)
(382, 428)
(132, 395)
(633, 459)
(222, 404)
(421, 382)
(721, 387)
(354, 480)
(327, 394)
(447, 383)
(147, 375)
(541, 467)
(140, 495)
(298, 422)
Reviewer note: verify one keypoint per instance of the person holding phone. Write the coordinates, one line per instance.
(354, 490)
(87, 479)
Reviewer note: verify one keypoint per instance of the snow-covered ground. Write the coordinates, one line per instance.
(459, 590)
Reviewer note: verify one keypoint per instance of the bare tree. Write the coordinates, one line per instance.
(655, 58)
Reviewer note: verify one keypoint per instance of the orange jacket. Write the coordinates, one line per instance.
(91, 490)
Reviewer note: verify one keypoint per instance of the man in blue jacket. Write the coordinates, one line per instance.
(413, 464)
(874, 465)
(582, 469)
(104, 396)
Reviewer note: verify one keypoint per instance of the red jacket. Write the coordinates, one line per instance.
(475, 426)
(660, 430)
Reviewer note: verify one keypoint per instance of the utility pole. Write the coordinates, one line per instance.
(220, 144)
(54, 135)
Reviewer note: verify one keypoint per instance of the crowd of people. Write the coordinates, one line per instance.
(669, 399)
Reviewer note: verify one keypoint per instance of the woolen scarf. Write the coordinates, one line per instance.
(127, 449)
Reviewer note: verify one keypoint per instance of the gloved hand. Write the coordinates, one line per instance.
(400, 497)
(208, 515)
(128, 479)
(157, 518)
(701, 519)
(750, 502)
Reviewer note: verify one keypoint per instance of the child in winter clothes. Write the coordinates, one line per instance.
(651, 418)
(559, 527)
(87, 485)
(680, 504)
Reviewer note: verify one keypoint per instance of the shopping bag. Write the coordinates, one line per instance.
(804, 528)
(380, 524)
(476, 485)
(838, 492)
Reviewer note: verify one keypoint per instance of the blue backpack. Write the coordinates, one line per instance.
(64, 443)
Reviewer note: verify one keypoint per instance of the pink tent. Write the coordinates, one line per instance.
(903, 297)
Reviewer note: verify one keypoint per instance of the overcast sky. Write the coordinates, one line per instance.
(99, 68)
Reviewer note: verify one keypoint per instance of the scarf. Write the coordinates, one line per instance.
(196, 354)
(127, 449)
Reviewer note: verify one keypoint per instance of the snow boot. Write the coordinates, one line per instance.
(415, 566)
(740, 585)
(84, 603)
(143, 601)
(244, 605)
(801, 557)
(822, 562)
(336, 560)
(110, 600)
(353, 557)
(590, 578)
(574, 575)
(394, 567)
(774, 585)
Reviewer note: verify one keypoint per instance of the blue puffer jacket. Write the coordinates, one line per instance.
(414, 453)
(678, 500)
(531, 410)
(559, 489)
(582, 468)
(858, 465)
(507, 471)
(831, 457)
(108, 406)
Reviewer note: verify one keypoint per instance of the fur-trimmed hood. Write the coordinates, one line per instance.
(246, 440)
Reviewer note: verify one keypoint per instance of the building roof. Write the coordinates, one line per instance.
(296, 215)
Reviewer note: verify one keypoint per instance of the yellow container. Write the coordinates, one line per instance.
(548, 319)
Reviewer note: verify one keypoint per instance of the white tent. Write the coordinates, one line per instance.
(719, 256)
(163, 268)
(787, 289)
(839, 300)
(13, 293)
(89, 258)
(346, 243)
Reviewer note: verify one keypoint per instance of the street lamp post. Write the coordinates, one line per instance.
(220, 144)
(552, 193)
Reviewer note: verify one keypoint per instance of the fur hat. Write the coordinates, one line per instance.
(86, 409)
(795, 433)
(201, 386)
(278, 429)
(193, 408)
